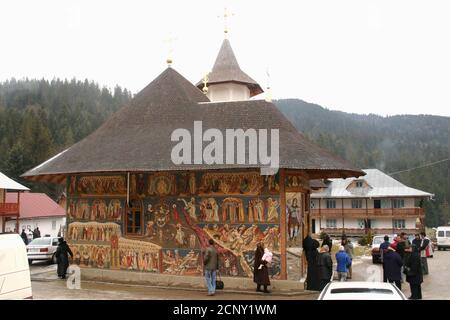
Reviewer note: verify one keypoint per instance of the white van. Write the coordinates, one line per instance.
(15, 280)
(443, 237)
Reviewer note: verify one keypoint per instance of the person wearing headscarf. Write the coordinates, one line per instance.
(62, 258)
(260, 274)
(313, 274)
(413, 271)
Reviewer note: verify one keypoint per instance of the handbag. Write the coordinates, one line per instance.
(219, 282)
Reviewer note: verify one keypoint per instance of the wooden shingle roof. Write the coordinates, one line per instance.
(138, 136)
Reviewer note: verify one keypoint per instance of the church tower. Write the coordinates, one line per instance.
(227, 82)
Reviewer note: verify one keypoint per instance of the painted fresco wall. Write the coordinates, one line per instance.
(179, 213)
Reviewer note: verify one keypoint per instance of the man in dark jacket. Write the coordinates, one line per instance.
(327, 241)
(211, 265)
(413, 270)
(24, 236)
(403, 247)
(62, 258)
(325, 267)
(383, 249)
(425, 249)
(393, 267)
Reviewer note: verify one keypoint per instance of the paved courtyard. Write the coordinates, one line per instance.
(48, 287)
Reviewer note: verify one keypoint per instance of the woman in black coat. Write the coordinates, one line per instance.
(260, 276)
(313, 274)
(414, 274)
(62, 257)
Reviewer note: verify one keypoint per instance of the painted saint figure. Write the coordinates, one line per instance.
(272, 206)
(190, 208)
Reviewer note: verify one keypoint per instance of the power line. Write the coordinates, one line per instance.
(419, 167)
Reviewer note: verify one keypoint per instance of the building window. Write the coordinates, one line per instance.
(331, 204)
(361, 223)
(331, 223)
(356, 204)
(398, 203)
(134, 217)
(53, 224)
(313, 204)
(398, 224)
(359, 184)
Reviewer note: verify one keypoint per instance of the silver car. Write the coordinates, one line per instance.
(42, 249)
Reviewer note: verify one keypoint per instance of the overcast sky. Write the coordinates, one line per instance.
(362, 56)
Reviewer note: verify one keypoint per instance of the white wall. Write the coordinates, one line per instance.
(45, 225)
(228, 92)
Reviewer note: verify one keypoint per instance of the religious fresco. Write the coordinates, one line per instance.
(240, 241)
(139, 255)
(91, 255)
(294, 216)
(161, 184)
(177, 214)
(101, 185)
(296, 182)
(248, 183)
(95, 209)
(182, 262)
(92, 231)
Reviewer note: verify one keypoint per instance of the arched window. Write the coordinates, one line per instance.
(134, 218)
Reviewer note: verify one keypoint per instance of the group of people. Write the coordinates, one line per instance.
(403, 259)
(262, 263)
(320, 264)
(36, 233)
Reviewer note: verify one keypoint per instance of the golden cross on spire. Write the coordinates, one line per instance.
(169, 41)
(205, 83)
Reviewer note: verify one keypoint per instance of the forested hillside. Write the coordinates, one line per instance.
(40, 118)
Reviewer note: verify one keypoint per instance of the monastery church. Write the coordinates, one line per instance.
(130, 207)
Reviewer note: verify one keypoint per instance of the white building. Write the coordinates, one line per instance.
(37, 210)
(375, 202)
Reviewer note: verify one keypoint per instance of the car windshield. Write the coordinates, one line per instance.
(377, 240)
(362, 290)
(40, 242)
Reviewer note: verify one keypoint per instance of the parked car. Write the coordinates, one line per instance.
(376, 241)
(15, 281)
(443, 238)
(42, 249)
(360, 290)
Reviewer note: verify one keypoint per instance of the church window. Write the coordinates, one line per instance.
(134, 217)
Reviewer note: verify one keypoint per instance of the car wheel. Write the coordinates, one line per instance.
(53, 260)
(30, 262)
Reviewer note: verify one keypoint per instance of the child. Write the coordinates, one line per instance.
(267, 256)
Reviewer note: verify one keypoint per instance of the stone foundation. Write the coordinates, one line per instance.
(184, 282)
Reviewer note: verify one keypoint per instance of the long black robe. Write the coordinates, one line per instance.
(313, 274)
(62, 258)
(260, 276)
